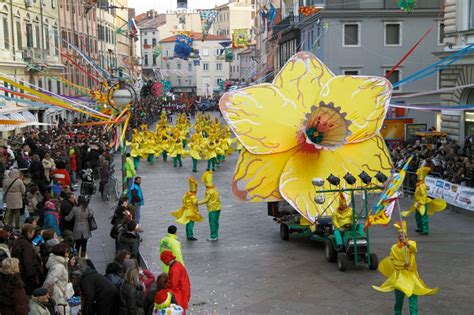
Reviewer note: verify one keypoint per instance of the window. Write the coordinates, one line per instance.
(19, 33)
(179, 66)
(50, 85)
(154, 60)
(393, 34)
(179, 81)
(441, 33)
(6, 32)
(38, 37)
(351, 72)
(58, 87)
(205, 52)
(56, 41)
(153, 42)
(53, 4)
(146, 60)
(219, 66)
(40, 83)
(145, 43)
(46, 38)
(167, 53)
(167, 66)
(205, 67)
(351, 35)
(29, 35)
(394, 77)
(237, 69)
(190, 66)
(471, 15)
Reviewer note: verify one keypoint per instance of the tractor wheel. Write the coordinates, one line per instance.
(284, 232)
(374, 262)
(329, 251)
(342, 261)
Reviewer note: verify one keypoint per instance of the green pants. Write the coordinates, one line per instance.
(177, 161)
(184, 143)
(338, 235)
(189, 229)
(412, 303)
(195, 164)
(211, 164)
(422, 222)
(214, 223)
(165, 155)
(151, 159)
(136, 162)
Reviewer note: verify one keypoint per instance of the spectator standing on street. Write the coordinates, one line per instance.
(67, 204)
(100, 295)
(135, 197)
(13, 298)
(170, 242)
(58, 277)
(30, 266)
(130, 170)
(14, 190)
(48, 166)
(178, 280)
(60, 174)
(129, 240)
(131, 294)
(81, 230)
(39, 302)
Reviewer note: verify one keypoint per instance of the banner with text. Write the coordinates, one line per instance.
(454, 194)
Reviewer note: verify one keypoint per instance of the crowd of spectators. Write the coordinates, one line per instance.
(447, 159)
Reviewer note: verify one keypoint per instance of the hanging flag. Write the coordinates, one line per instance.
(240, 38)
(229, 55)
(132, 27)
(197, 62)
(263, 15)
(272, 14)
(207, 18)
(407, 5)
(183, 45)
(156, 51)
(308, 11)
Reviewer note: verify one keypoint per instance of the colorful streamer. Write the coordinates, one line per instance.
(80, 68)
(207, 18)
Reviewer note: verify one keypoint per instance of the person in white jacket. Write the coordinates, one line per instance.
(58, 278)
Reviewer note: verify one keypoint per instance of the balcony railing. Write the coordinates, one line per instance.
(288, 23)
(35, 55)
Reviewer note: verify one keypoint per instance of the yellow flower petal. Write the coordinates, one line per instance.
(263, 118)
(296, 180)
(257, 176)
(364, 99)
(302, 78)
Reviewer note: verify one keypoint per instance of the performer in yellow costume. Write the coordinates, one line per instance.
(176, 150)
(342, 221)
(195, 149)
(211, 152)
(135, 148)
(189, 213)
(400, 268)
(423, 205)
(213, 202)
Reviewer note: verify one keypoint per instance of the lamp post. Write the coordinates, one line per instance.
(121, 95)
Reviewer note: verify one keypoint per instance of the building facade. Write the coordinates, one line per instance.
(459, 33)
(203, 79)
(29, 53)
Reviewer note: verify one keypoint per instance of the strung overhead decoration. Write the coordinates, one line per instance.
(263, 15)
(272, 13)
(156, 51)
(229, 55)
(225, 44)
(132, 27)
(207, 18)
(240, 38)
(407, 5)
(308, 11)
(183, 45)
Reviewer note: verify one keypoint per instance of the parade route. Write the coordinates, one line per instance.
(251, 270)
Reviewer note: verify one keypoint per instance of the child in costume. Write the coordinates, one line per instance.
(423, 205)
(400, 268)
(195, 149)
(213, 202)
(165, 304)
(177, 152)
(342, 221)
(211, 154)
(189, 213)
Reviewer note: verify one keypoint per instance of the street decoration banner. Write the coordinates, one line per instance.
(454, 194)
(308, 10)
(156, 51)
(240, 38)
(207, 18)
(183, 46)
(228, 55)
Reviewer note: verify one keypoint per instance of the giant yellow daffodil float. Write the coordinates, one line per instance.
(307, 124)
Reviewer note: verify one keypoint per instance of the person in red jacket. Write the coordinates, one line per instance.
(60, 174)
(178, 280)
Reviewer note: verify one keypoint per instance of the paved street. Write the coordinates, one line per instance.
(250, 270)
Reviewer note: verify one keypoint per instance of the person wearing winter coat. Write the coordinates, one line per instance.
(51, 217)
(39, 302)
(81, 230)
(48, 166)
(113, 272)
(131, 294)
(130, 240)
(30, 263)
(159, 285)
(58, 277)
(36, 170)
(67, 204)
(100, 295)
(13, 298)
(4, 249)
(178, 280)
(14, 189)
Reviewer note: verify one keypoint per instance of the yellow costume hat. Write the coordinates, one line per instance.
(342, 201)
(401, 227)
(207, 178)
(422, 173)
(193, 184)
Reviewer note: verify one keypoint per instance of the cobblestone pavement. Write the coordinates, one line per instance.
(251, 270)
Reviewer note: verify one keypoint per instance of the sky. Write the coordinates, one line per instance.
(163, 5)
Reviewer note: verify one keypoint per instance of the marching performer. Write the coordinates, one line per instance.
(189, 213)
(213, 202)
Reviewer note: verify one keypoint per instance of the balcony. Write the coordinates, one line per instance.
(288, 23)
(35, 56)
